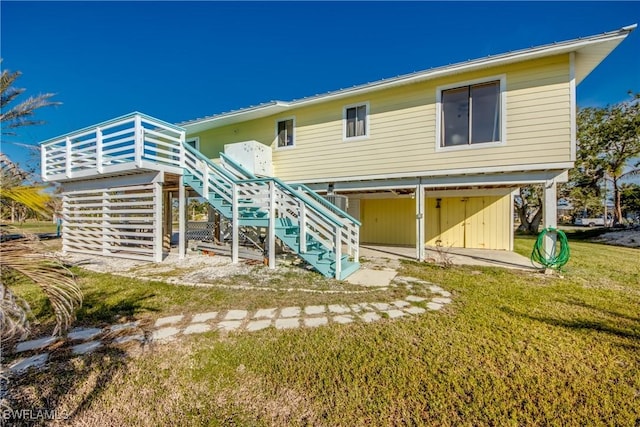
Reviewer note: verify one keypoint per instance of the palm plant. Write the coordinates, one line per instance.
(21, 259)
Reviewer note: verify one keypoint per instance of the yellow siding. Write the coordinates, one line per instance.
(388, 221)
(471, 222)
(402, 129)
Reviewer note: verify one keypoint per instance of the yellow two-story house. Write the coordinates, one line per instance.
(430, 157)
(425, 159)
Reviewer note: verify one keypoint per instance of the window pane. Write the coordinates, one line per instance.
(351, 122)
(455, 117)
(361, 128)
(285, 133)
(485, 107)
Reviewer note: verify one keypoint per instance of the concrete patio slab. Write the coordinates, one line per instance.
(339, 308)
(123, 326)
(373, 278)
(415, 310)
(236, 314)
(229, 325)
(265, 313)
(370, 317)
(289, 323)
(170, 320)
(434, 306)
(394, 314)
(314, 309)
(196, 328)
(315, 321)
(290, 312)
(258, 325)
(36, 361)
(164, 333)
(204, 317)
(458, 256)
(35, 344)
(83, 333)
(86, 347)
(343, 319)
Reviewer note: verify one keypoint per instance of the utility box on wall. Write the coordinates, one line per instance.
(252, 155)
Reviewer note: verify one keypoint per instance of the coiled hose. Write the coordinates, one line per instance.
(551, 260)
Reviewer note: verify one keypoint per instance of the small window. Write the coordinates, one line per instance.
(193, 142)
(471, 114)
(356, 121)
(285, 133)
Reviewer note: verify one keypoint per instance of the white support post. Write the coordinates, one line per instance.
(182, 217)
(205, 181)
(139, 141)
(356, 251)
(43, 162)
(65, 222)
(338, 251)
(272, 224)
(182, 149)
(106, 222)
(157, 222)
(550, 215)
(99, 161)
(234, 224)
(420, 223)
(303, 227)
(67, 157)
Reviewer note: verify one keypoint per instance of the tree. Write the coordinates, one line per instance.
(630, 201)
(19, 259)
(528, 205)
(21, 114)
(608, 143)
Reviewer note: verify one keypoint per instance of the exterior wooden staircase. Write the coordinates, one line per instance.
(313, 228)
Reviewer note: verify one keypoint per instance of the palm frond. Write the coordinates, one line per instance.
(30, 196)
(48, 273)
(14, 323)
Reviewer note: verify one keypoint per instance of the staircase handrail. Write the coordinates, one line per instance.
(327, 203)
(208, 161)
(324, 205)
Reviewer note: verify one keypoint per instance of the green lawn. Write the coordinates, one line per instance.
(514, 348)
(32, 227)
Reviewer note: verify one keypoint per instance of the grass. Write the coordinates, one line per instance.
(32, 227)
(514, 348)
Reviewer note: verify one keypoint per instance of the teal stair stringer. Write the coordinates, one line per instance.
(321, 255)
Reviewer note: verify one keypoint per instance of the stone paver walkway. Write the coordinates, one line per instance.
(170, 328)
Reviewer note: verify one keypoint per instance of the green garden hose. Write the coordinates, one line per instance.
(557, 258)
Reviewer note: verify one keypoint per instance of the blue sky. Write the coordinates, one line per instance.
(182, 60)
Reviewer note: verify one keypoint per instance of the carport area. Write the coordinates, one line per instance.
(457, 256)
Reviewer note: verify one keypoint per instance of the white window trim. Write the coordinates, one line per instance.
(197, 141)
(503, 113)
(286, 147)
(366, 124)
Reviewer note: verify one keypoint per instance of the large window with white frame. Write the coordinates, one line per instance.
(356, 121)
(285, 132)
(471, 114)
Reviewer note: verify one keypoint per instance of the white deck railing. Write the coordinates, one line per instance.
(131, 141)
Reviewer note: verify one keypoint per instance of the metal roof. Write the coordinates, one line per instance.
(590, 51)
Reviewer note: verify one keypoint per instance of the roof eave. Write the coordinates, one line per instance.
(585, 47)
